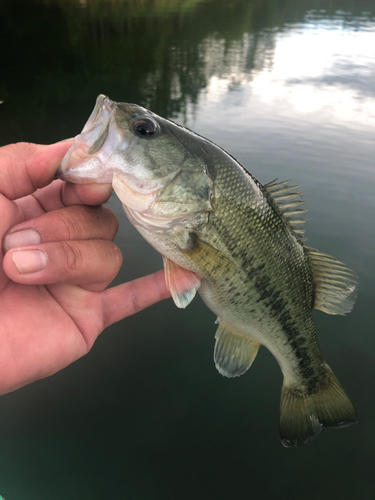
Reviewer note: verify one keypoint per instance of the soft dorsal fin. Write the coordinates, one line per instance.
(288, 201)
(335, 285)
(233, 353)
(182, 284)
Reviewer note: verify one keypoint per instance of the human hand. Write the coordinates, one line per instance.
(58, 258)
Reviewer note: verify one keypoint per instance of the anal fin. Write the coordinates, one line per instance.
(182, 283)
(233, 354)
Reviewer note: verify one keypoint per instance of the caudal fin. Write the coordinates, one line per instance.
(303, 414)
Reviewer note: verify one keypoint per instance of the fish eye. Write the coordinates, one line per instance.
(145, 127)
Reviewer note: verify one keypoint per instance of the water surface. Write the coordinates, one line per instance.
(288, 89)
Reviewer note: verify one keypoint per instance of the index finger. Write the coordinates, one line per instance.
(26, 167)
(85, 194)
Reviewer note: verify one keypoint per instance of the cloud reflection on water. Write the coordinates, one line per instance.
(321, 67)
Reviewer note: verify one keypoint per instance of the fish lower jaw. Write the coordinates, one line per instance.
(153, 223)
(137, 199)
(83, 172)
(81, 168)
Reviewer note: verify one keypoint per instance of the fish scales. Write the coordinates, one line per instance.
(265, 285)
(236, 241)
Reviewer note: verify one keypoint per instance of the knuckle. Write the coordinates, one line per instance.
(73, 257)
(65, 225)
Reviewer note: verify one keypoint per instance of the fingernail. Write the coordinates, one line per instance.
(22, 238)
(29, 261)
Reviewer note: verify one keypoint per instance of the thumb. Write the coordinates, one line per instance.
(26, 167)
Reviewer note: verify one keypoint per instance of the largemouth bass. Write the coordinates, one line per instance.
(238, 242)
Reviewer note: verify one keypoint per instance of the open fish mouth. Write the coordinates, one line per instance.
(102, 109)
(89, 158)
(97, 155)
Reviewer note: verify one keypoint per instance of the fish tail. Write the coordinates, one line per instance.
(304, 413)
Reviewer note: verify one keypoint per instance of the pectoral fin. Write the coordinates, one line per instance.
(182, 284)
(212, 262)
(335, 284)
(233, 353)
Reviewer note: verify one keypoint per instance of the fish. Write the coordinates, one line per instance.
(236, 242)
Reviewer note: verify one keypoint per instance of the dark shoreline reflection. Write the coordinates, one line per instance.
(158, 54)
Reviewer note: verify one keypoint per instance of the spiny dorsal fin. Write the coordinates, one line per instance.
(182, 284)
(288, 201)
(233, 353)
(335, 284)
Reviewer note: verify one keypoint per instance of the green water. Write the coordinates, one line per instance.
(287, 87)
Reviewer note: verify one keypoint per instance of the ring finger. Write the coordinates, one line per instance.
(92, 264)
